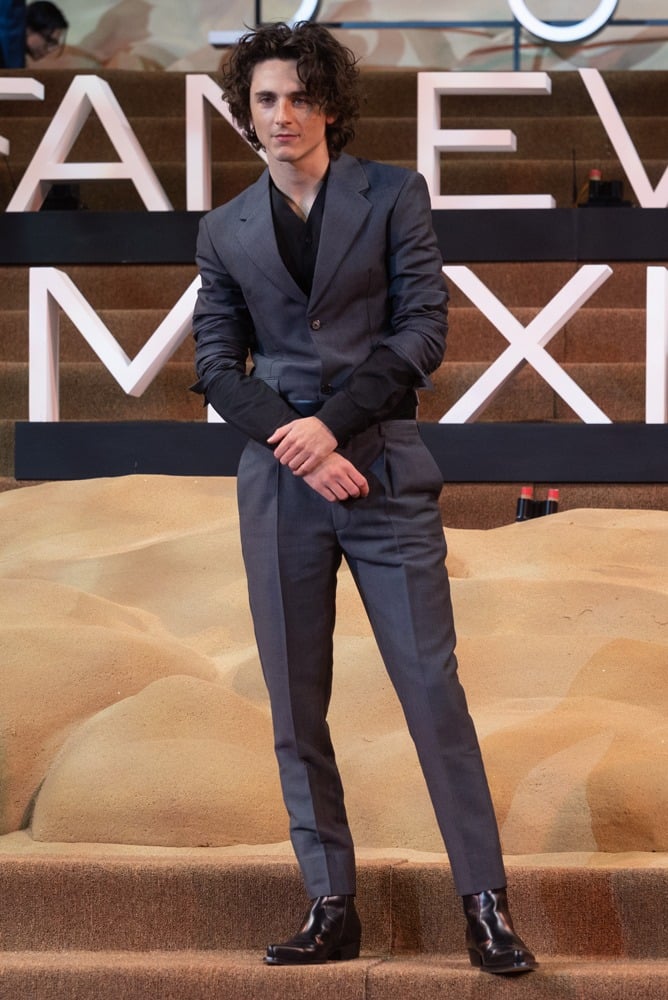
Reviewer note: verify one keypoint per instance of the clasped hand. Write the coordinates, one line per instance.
(307, 447)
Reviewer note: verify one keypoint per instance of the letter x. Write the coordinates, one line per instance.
(527, 344)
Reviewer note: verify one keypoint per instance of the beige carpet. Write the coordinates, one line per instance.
(133, 708)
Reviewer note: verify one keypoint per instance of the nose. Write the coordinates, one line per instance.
(282, 110)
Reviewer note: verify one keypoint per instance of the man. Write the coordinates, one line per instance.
(46, 29)
(36, 31)
(327, 272)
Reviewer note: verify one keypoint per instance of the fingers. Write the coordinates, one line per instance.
(302, 444)
(337, 479)
(280, 433)
(307, 446)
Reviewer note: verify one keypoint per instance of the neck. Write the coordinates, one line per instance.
(299, 186)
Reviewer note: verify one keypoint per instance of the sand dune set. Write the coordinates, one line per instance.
(133, 709)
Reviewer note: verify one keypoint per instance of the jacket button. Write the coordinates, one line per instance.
(315, 324)
(326, 389)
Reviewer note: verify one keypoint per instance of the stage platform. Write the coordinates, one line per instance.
(113, 922)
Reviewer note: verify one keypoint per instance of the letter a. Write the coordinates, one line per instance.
(85, 94)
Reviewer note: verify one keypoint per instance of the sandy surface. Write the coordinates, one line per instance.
(133, 710)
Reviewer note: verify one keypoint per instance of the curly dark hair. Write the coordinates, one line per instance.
(43, 16)
(327, 69)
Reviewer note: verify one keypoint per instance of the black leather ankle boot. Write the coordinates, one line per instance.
(331, 931)
(491, 940)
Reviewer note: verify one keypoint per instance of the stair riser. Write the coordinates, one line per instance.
(144, 94)
(89, 392)
(164, 140)
(522, 285)
(458, 176)
(404, 908)
(592, 336)
(121, 906)
(223, 977)
(559, 911)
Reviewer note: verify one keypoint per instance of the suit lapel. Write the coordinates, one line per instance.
(346, 209)
(256, 236)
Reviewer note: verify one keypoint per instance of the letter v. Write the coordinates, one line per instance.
(623, 144)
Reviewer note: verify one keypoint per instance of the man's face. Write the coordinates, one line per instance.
(40, 44)
(289, 126)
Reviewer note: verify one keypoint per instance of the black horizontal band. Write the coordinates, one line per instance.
(56, 238)
(478, 452)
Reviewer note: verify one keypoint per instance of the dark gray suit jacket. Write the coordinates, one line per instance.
(377, 280)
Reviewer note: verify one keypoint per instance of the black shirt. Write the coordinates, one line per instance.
(380, 388)
(298, 239)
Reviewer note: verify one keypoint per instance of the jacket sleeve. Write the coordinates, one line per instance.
(418, 300)
(224, 334)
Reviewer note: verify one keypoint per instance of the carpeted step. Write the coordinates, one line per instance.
(617, 389)
(131, 328)
(549, 137)
(110, 286)
(167, 902)
(163, 139)
(640, 93)
(616, 335)
(143, 94)
(460, 175)
(132, 301)
(163, 926)
(183, 975)
(516, 175)
(7, 448)
(200, 975)
(548, 128)
(89, 392)
(146, 286)
(138, 92)
(535, 283)
(442, 978)
(613, 335)
(377, 137)
(170, 902)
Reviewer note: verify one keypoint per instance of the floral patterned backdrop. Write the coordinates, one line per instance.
(172, 34)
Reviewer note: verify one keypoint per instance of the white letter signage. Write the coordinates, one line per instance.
(87, 93)
(527, 344)
(656, 370)
(52, 290)
(433, 140)
(563, 33)
(618, 134)
(203, 94)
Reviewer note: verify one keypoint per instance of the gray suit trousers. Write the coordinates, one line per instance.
(293, 542)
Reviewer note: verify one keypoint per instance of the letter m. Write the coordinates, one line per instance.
(52, 291)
